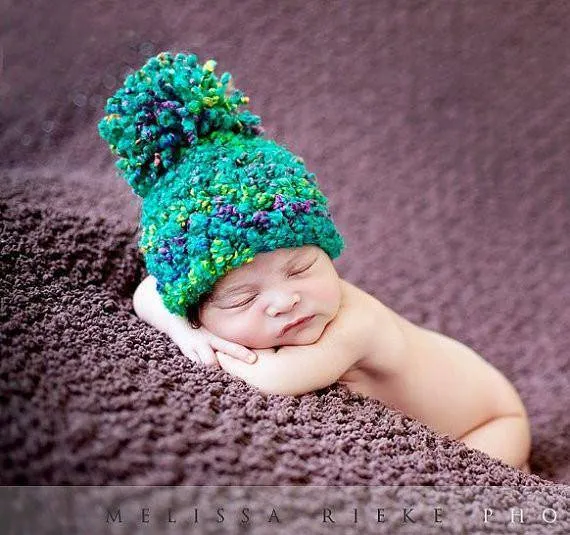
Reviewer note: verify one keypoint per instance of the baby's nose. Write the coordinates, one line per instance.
(281, 304)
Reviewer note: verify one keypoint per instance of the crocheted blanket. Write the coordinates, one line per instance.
(92, 395)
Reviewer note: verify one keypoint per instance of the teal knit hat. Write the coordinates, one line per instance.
(215, 192)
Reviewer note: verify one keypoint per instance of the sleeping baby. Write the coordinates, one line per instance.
(309, 329)
(239, 245)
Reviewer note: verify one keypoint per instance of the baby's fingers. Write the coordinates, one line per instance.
(188, 349)
(233, 350)
(207, 356)
(235, 367)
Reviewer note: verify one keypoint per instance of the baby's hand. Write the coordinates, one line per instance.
(200, 345)
(197, 344)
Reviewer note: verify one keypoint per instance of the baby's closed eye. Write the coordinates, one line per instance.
(302, 269)
(242, 302)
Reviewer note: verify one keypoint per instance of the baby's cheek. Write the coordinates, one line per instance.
(245, 331)
(328, 294)
(232, 329)
(256, 337)
(221, 325)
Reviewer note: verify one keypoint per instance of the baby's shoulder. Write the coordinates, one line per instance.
(349, 331)
(379, 329)
(356, 304)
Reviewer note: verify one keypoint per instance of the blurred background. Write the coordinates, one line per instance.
(438, 129)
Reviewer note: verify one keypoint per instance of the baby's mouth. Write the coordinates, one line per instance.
(297, 323)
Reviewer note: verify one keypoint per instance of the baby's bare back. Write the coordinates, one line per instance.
(427, 375)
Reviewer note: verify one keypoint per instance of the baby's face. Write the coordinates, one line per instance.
(253, 304)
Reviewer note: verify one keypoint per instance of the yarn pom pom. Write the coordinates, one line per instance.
(170, 103)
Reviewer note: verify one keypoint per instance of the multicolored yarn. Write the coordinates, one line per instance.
(215, 192)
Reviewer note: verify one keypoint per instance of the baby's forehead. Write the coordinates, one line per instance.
(264, 263)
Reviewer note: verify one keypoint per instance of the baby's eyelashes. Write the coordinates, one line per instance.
(297, 272)
(241, 303)
(302, 269)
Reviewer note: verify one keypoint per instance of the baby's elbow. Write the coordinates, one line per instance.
(139, 299)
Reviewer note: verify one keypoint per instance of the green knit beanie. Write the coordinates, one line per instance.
(215, 192)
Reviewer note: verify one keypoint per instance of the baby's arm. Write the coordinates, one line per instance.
(149, 307)
(294, 370)
(197, 344)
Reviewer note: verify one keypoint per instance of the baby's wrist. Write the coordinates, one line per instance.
(177, 324)
(150, 308)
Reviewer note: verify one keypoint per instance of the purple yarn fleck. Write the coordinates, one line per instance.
(169, 104)
(278, 204)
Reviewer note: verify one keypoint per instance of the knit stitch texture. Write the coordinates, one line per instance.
(215, 192)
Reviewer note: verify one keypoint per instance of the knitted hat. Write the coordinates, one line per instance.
(215, 192)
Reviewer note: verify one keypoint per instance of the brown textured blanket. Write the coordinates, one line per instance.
(92, 395)
(441, 140)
